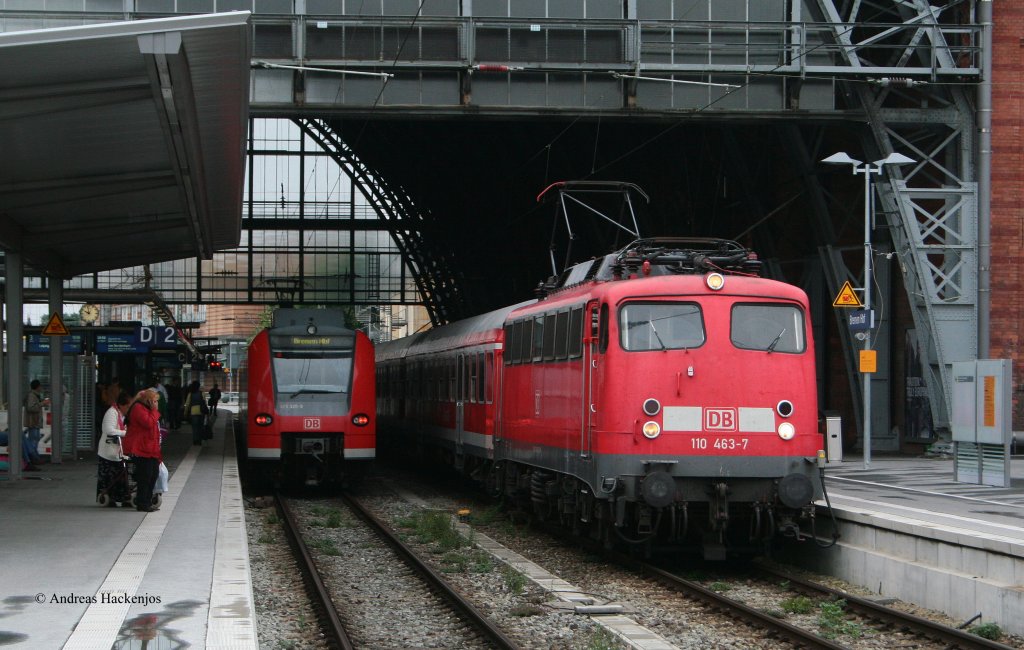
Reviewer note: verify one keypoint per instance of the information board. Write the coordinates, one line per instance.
(120, 343)
(39, 343)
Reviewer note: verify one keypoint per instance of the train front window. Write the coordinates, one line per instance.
(768, 327)
(303, 373)
(661, 326)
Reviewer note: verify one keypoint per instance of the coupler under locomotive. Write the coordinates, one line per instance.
(313, 459)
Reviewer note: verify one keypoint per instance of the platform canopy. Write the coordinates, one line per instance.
(123, 143)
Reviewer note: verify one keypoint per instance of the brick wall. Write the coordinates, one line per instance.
(1007, 189)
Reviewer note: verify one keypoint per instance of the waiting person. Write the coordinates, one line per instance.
(162, 397)
(197, 410)
(142, 443)
(109, 452)
(214, 398)
(174, 404)
(34, 403)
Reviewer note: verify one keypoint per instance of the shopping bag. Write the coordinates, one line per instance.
(161, 480)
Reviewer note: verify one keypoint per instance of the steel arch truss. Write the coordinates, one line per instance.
(438, 284)
(931, 206)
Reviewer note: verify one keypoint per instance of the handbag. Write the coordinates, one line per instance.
(161, 480)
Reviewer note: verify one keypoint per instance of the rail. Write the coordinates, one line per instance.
(330, 623)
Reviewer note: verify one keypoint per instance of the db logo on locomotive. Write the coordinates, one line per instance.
(310, 423)
(720, 419)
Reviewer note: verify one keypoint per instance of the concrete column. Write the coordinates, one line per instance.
(56, 374)
(14, 268)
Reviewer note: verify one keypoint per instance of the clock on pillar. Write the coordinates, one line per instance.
(89, 313)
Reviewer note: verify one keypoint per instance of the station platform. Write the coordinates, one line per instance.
(77, 575)
(909, 530)
(926, 490)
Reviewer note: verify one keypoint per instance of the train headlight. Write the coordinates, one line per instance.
(715, 281)
(263, 419)
(651, 430)
(787, 431)
(784, 408)
(652, 406)
(360, 419)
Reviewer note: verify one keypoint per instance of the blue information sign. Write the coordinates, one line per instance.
(38, 343)
(861, 320)
(122, 343)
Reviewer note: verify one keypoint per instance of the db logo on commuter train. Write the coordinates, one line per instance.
(720, 419)
(310, 423)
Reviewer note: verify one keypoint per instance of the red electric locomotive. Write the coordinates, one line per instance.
(307, 408)
(660, 394)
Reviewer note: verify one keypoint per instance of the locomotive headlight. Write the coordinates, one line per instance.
(651, 430)
(715, 281)
(652, 406)
(263, 419)
(360, 419)
(787, 431)
(784, 408)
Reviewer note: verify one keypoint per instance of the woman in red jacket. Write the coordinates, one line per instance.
(142, 442)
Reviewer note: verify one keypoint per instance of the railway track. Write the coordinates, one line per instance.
(772, 627)
(439, 609)
(950, 638)
(330, 622)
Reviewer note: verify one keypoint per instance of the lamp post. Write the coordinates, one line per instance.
(842, 158)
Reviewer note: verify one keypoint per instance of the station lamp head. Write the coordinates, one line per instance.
(841, 158)
(894, 159)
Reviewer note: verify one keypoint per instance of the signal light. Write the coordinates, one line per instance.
(264, 419)
(360, 419)
(651, 430)
(715, 281)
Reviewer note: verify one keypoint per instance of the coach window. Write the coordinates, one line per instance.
(526, 342)
(538, 338)
(489, 377)
(549, 337)
(661, 326)
(451, 379)
(768, 327)
(471, 362)
(509, 342)
(481, 373)
(602, 328)
(576, 332)
(561, 331)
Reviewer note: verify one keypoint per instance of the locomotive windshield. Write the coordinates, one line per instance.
(768, 327)
(310, 372)
(661, 326)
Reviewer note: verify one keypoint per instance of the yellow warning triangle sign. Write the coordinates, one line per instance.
(847, 297)
(55, 326)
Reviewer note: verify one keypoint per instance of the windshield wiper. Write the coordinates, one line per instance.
(771, 346)
(312, 391)
(658, 336)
